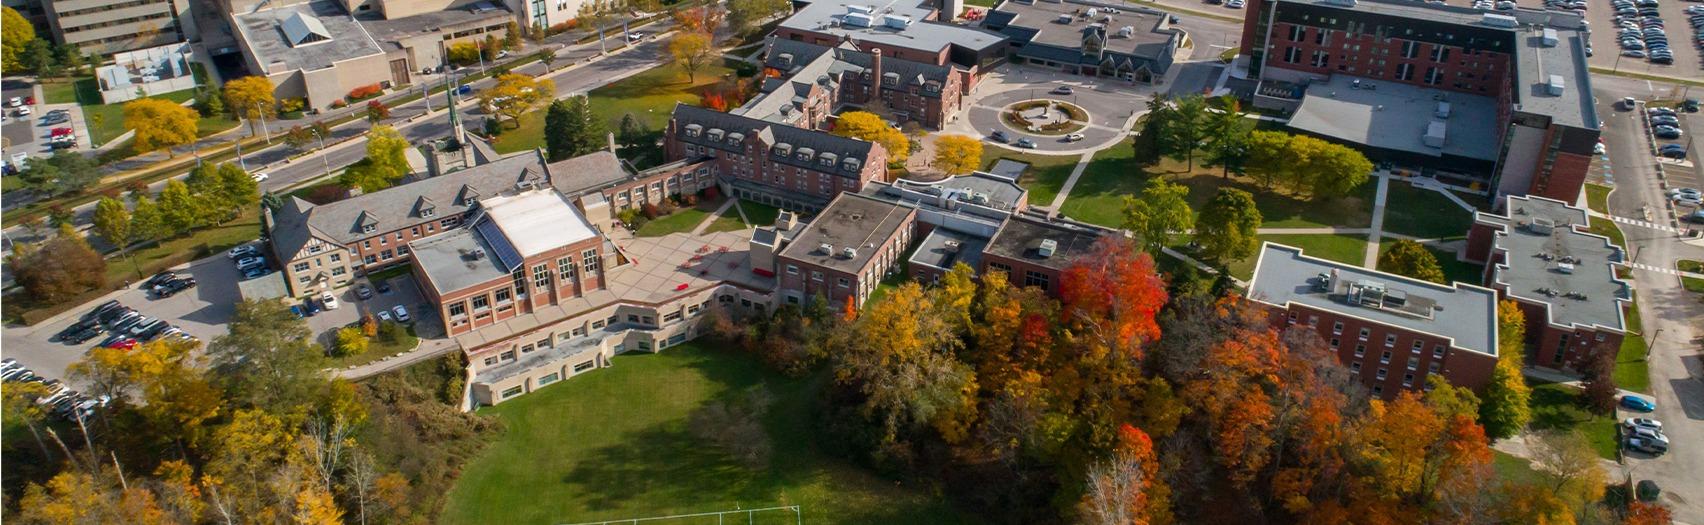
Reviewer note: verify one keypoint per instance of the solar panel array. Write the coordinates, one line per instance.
(500, 246)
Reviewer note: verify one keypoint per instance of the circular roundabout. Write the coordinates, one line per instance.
(1044, 117)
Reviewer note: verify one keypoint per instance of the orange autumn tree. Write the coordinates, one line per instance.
(1125, 489)
(1413, 450)
(1235, 395)
(1111, 296)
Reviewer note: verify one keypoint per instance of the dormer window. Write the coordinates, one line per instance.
(932, 86)
(783, 149)
(692, 130)
(805, 154)
(734, 139)
(850, 164)
(428, 212)
(714, 134)
(368, 228)
(890, 79)
(827, 160)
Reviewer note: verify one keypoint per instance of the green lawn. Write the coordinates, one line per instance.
(649, 96)
(1512, 469)
(1336, 247)
(1597, 197)
(682, 220)
(1454, 270)
(1692, 284)
(68, 91)
(1607, 228)
(728, 221)
(1098, 197)
(177, 251)
(1424, 213)
(1043, 179)
(614, 444)
(1557, 406)
(758, 213)
(1631, 370)
(1688, 265)
(106, 121)
(1099, 194)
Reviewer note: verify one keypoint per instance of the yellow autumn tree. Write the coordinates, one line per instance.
(957, 154)
(868, 126)
(251, 97)
(159, 124)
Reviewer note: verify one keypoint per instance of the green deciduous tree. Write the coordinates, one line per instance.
(1269, 158)
(146, 222)
(691, 51)
(64, 172)
(1230, 131)
(350, 341)
(572, 130)
(112, 221)
(1409, 259)
(268, 359)
(38, 56)
(633, 135)
(1334, 170)
(746, 15)
(1228, 227)
(1186, 128)
(385, 164)
(1163, 209)
(180, 210)
(1506, 409)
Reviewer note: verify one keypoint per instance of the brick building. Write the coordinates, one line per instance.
(912, 30)
(845, 250)
(804, 83)
(1035, 251)
(1502, 100)
(1389, 330)
(1109, 40)
(785, 166)
(1539, 254)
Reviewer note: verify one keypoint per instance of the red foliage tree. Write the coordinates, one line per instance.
(1642, 513)
(1112, 295)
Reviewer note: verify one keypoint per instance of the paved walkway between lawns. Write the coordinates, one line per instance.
(1370, 259)
(705, 224)
(1076, 172)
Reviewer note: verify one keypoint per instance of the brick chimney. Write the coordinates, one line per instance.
(876, 70)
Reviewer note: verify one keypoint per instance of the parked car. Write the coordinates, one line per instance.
(329, 300)
(1642, 422)
(255, 273)
(123, 343)
(174, 286)
(1684, 191)
(98, 310)
(311, 307)
(1062, 90)
(244, 251)
(1666, 132)
(364, 292)
(1665, 120)
(1673, 151)
(1637, 404)
(1690, 200)
(250, 262)
(401, 313)
(158, 279)
(1647, 490)
(383, 287)
(1647, 446)
(384, 315)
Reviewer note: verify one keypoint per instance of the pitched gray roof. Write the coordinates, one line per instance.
(770, 135)
(341, 222)
(592, 170)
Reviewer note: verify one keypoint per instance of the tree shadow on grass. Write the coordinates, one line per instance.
(1557, 408)
(662, 465)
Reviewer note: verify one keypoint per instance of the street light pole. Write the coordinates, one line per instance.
(323, 162)
(1652, 343)
(263, 127)
(240, 160)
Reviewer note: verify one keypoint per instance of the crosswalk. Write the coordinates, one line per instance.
(1644, 224)
(1658, 269)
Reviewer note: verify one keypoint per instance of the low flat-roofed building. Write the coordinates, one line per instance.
(315, 51)
(1402, 123)
(941, 250)
(1035, 251)
(1123, 41)
(152, 71)
(1539, 254)
(845, 250)
(905, 29)
(1391, 331)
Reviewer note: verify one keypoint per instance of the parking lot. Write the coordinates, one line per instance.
(203, 312)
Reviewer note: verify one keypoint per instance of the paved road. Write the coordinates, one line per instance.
(1677, 377)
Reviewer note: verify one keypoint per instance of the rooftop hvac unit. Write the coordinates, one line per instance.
(1554, 86)
(896, 21)
(859, 20)
(1063, 19)
(1048, 246)
(1495, 20)
(1549, 38)
(861, 9)
(1443, 110)
(951, 246)
(826, 248)
(849, 252)
(1126, 32)
(1565, 268)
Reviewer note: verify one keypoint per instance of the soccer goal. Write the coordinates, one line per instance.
(788, 515)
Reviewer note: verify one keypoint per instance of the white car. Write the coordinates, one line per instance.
(1684, 191)
(15, 102)
(24, 111)
(384, 316)
(1642, 422)
(259, 176)
(20, 160)
(635, 36)
(1689, 199)
(1074, 137)
(401, 313)
(329, 300)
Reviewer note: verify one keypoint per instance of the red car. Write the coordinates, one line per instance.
(29, 101)
(61, 131)
(123, 344)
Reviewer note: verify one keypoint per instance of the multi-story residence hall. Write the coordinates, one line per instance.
(1391, 331)
(805, 83)
(1121, 41)
(1501, 100)
(777, 164)
(320, 247)
(913, 30)
(1538, 254)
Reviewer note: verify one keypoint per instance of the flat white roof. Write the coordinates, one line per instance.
(537, 221)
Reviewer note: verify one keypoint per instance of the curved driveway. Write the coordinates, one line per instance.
(1110, 110)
